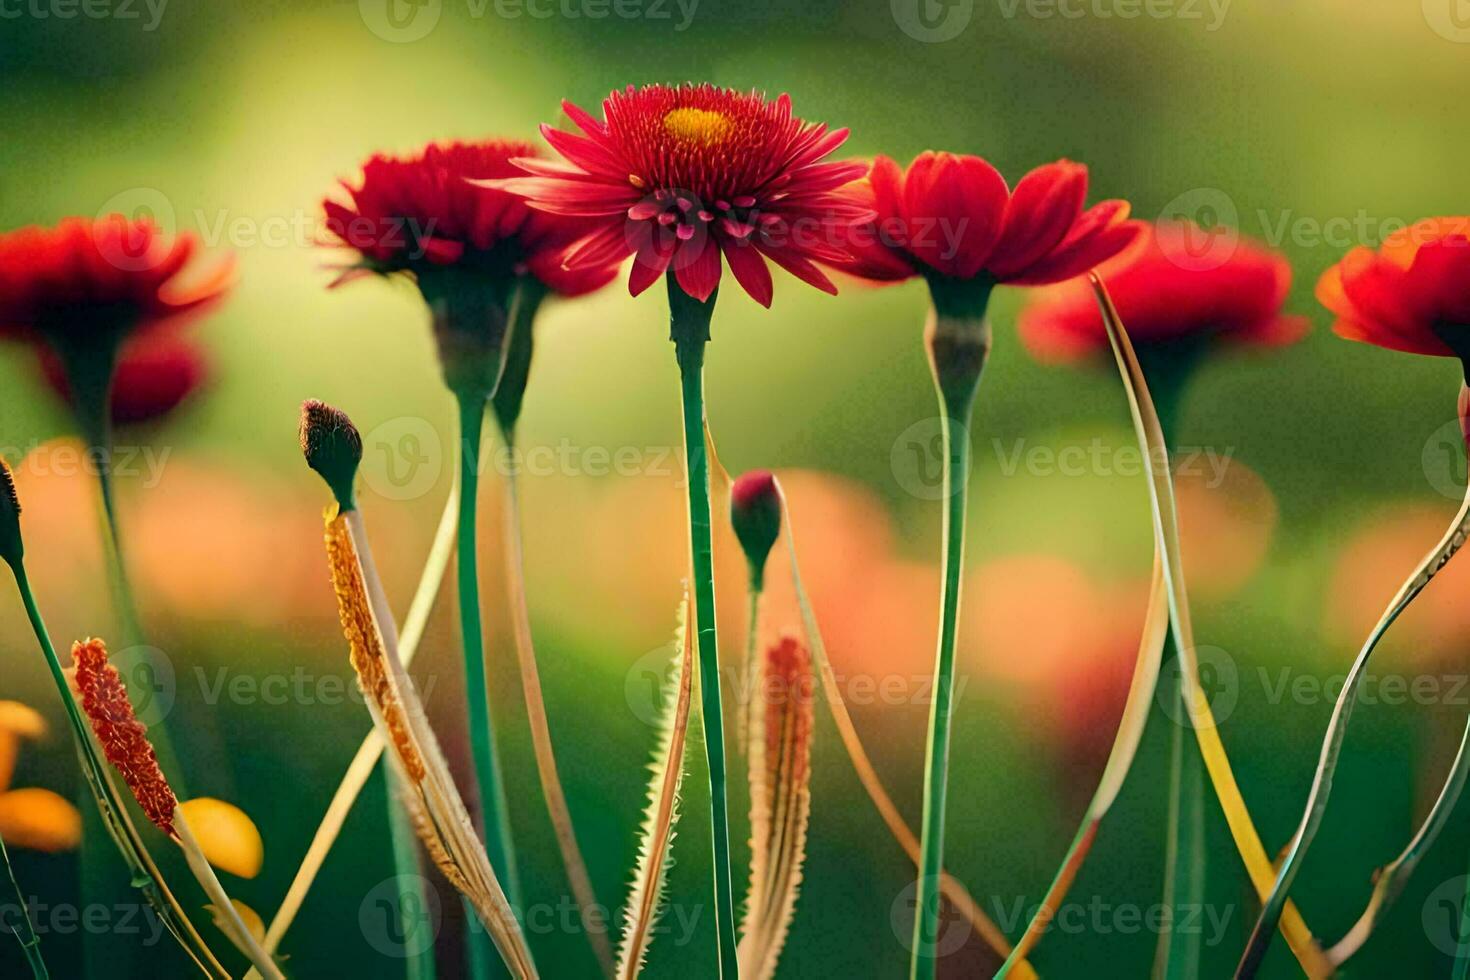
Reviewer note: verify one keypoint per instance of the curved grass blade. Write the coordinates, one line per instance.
(432, 800)
(950, 887)
(1120, 760)
(1316, 806)
(371, 749)
(541, 745)
(1166, 529)
(780, 751)
(1390, 880)
(645, 898)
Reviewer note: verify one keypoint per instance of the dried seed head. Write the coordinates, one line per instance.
(333, 448)
(124, 739)
(755, 512)
(12, 549)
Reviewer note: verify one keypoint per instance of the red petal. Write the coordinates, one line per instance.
(749, 269)
(954, 206)
(697, 266)
(1041, 211)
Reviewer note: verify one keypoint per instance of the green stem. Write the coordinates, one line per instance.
(752, 646)
(958, 339)
(689, 325)
(411, 899)
(495, 813)
(29, 941)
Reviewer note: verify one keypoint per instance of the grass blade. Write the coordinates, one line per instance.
(1166, 529)
(645, 898)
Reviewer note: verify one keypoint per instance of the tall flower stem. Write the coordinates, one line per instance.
(493, 807)
(24, 930)
(958, 340)
(689, 322)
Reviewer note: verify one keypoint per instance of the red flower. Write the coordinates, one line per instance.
(677, 175)
(87, 282)
(422, 211)
(1412, 295)
(954, 215)
(1167, 292)
(154, 375)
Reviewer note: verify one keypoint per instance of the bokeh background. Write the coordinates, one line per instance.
(1312, 125)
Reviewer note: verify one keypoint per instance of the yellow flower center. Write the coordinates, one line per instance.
(697, 125)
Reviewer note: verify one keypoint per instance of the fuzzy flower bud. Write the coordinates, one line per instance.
(333, 448)
(755, 512)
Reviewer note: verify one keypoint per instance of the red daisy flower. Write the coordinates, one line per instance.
(677, 176)
(1166, 296)
(954, 215)
(154, 375)
(85, 282)
(1412, 295)
(421, 211)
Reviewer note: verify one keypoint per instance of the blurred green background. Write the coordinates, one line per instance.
(1313, 125)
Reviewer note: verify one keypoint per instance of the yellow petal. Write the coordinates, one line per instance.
(248, 915)
(40, 820)
(22, 720)
(9, 747)
(228, 838)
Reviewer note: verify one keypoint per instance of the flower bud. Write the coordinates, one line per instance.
(333, 448)
(755, 512)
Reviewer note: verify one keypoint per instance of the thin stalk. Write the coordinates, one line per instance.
(144, 874)
(541, 744)
(958, 343)
(495, 813)
(26, 932)
(1316, 806)
(226, 913)
(752, 665)
(1390, 880)
(689, 325)
(371, 749)
(1177, 954)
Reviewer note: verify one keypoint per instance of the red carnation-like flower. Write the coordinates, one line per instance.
(124, 739)
(154, 375)
(677, 176)
(1166, 294)
(422, 211)
(954, 215)
(1412, 295)
(89, 282)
